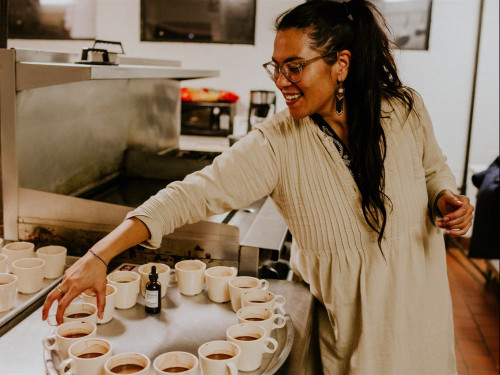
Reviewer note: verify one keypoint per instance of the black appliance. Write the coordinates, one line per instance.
(207, 118)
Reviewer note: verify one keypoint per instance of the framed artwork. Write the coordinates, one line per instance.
(409, 21)
(202, 21)
(52, 19)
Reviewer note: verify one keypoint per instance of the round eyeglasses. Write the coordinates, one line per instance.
(291, 70)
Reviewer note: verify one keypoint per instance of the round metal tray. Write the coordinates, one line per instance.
(183, 325)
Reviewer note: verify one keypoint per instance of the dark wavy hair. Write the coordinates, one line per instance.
(357, 26)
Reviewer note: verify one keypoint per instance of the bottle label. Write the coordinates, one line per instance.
(152, 298)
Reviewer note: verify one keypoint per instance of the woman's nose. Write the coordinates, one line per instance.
(282, 81)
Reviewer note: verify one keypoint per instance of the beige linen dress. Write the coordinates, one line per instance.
(387, 312)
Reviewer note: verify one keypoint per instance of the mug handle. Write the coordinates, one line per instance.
(46, 345)
(234, 268)
(264, 284)
(279, 321)
(68, 365)
(279, 300)
(274, 345)
(233, 369)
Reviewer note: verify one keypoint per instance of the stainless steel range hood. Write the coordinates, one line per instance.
(68, 129)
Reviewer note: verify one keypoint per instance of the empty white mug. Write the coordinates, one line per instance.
(8, 291)
(29, 272)
(190, 276)
(217, 280)
(18, 250)
(55, 260)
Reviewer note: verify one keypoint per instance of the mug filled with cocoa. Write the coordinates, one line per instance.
(128, 363)
(219, 357)
(67, 334)
(87, 356)
(182, 363)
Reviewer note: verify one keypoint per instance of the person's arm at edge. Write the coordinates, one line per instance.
(89, 272)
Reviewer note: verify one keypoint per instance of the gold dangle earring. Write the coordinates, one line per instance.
(339, 98)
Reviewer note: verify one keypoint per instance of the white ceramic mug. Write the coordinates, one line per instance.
(3, 263)
(67, 334)
(217, 280)
(182, 363)
(190, 275)
(8, 291)
(109, 310)
(18, 250)
(241, 284)
(86, 356)
(219, 357)
(253, 342)
(163, 272)
(29, 272)
(78, 312)
(127, 284)
(264, 298)
(128, 363)
(55, 260)
(261, 316)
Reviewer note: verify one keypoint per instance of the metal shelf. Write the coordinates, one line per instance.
(45, 68)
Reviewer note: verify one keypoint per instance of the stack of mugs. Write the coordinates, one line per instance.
(23, 270)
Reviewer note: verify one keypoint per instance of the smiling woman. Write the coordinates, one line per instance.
(354, 168)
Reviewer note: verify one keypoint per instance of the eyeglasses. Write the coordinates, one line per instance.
(291, 70)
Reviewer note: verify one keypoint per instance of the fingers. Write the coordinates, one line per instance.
(101, 300)
(63, 304)
(51, 297)
(458, 222)
(459, 232)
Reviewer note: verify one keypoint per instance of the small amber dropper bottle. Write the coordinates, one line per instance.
(153, 293)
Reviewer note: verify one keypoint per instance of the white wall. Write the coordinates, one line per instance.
(443, 75)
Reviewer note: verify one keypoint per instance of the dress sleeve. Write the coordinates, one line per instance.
(438, 175)
(239, 176)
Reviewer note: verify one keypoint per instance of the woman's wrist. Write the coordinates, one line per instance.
(440, 194)
(98, 257)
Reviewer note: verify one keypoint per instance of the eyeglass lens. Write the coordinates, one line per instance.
(292, 72)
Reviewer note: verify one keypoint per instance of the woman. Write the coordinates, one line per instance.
(354, 168)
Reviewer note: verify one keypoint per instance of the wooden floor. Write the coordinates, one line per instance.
(476, 316)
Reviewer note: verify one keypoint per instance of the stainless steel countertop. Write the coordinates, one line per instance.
(21, 351)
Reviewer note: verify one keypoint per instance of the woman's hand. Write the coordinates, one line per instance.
(457, 213)
(88, 272)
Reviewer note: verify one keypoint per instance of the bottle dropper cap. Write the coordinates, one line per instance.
(153, 276)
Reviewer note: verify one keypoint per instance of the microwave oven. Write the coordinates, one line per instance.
(207, 118)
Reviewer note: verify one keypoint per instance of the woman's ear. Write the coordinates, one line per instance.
(343, 62)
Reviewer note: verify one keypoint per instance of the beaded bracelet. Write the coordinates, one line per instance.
(102, 260)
